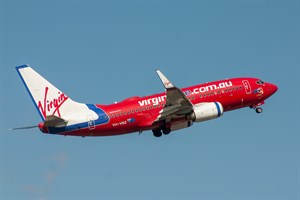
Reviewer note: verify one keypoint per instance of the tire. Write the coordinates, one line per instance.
(166, 131)
(157, 133)
(258, 110)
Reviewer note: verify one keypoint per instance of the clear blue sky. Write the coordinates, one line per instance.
(105, 51)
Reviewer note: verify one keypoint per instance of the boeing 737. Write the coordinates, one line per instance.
(162, 113)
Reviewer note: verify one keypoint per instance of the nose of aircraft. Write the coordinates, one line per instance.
(272, 88)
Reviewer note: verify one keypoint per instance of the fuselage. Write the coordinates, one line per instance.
(137, 114)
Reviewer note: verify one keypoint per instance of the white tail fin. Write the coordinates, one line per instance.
(48, 100)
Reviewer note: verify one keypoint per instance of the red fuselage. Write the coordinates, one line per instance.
(137, 114)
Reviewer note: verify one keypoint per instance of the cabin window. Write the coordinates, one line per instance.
(117, 115)
(200, 95)
(219, 92)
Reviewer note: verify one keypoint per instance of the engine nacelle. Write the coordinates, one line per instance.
(207, 111)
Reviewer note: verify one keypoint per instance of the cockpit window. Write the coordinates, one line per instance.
(259, 82)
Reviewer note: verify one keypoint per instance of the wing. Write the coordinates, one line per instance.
(177, 104)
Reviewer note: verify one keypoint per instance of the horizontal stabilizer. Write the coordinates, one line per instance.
(54, 121)
(21, 128)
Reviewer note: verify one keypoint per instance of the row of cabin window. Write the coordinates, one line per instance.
(137, 110)
(219, 92)
(162, 105)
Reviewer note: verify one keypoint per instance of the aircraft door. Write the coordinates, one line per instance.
(91, 122)
(247, 86)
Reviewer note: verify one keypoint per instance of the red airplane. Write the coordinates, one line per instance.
(162, 113)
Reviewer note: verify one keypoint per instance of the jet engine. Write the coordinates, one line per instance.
(206, 111)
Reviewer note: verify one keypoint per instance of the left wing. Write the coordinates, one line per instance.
(177, 104)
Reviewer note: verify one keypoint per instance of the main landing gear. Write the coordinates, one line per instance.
(159, 132)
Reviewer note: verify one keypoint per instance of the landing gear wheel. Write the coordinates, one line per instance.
(166, 131)
(258, 110)
(157, 133)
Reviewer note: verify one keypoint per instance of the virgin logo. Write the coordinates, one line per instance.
(51, 106)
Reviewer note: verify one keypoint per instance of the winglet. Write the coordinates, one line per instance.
(167, 84)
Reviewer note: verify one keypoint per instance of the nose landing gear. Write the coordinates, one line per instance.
(258, 110)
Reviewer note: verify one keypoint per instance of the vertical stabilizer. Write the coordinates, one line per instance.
(48, 100)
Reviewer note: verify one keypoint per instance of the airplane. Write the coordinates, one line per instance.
(162, 113)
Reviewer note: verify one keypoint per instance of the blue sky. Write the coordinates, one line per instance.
(105, 51)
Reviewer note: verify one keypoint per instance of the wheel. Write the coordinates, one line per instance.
(157, 133)
(258, 110)
(166, 131)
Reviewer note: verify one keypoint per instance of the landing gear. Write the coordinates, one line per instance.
(258, 110)
(166, 131)
(157, 133)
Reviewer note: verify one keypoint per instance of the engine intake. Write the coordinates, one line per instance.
(207, 111)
